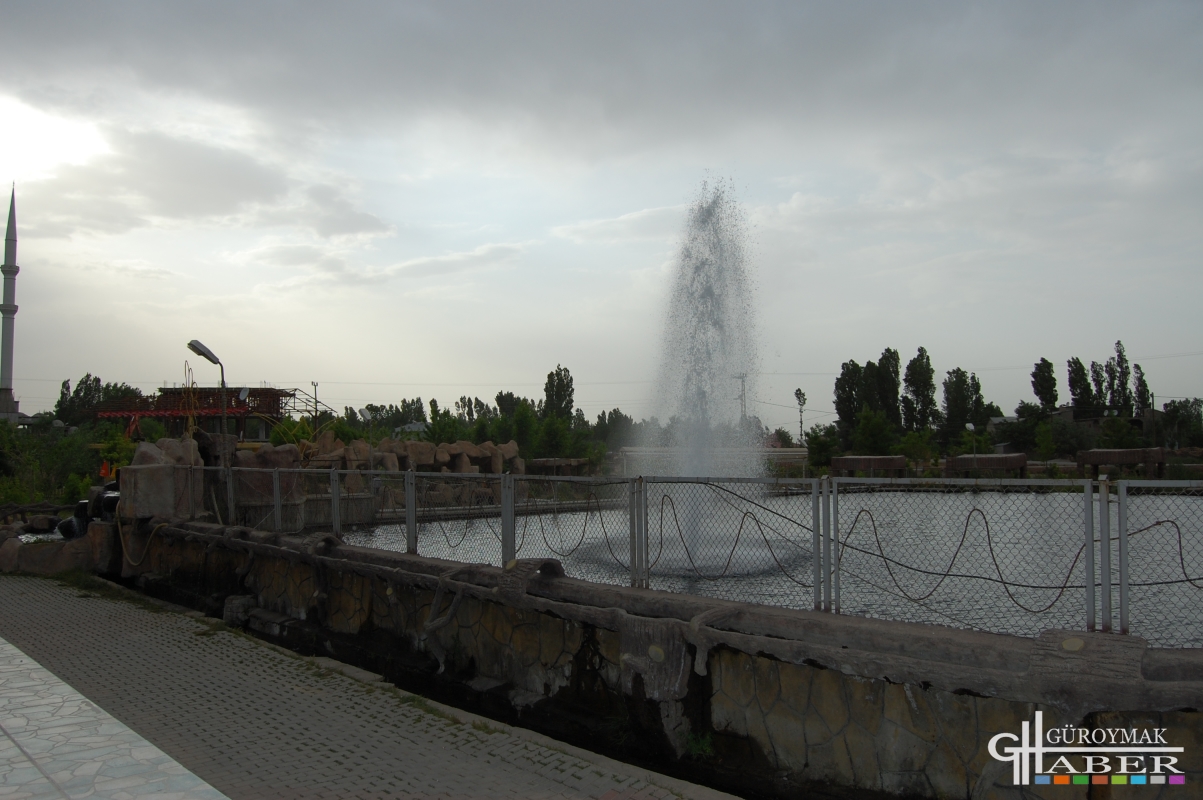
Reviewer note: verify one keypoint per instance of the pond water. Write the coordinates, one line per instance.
(1007, 562)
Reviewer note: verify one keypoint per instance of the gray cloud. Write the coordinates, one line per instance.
(322, 265)
(484, 256)
(1023, 166)
(155, 176)
(606, 77)
(324, 210)
(649, 224)
(148, 175)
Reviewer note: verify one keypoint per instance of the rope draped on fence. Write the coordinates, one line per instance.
(722, 492)
(947, 573)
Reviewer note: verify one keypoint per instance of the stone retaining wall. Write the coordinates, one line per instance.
(760, 701)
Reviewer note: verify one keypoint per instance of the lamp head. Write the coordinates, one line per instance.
(969, 426)
(365, 415)
(202, 351)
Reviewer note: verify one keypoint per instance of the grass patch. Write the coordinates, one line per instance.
(425, 705)
(485, 727)
(90, 586)
(699, 746)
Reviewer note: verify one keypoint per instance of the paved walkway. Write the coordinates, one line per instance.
(54, 744)
(249, 720)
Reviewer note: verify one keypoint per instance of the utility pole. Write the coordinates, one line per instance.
(800, 396)
(314, 384)
(743, 397)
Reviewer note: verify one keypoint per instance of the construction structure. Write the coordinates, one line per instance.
(250, 412)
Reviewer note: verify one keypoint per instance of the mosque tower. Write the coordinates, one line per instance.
(8, 405)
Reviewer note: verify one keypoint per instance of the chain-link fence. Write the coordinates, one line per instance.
(584, 523)
(459, 518)
(751, 540)
(1001, 556)
(1007, 556)
(1163, 523)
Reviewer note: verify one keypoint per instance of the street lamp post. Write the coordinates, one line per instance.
(207, 354)
(314, 407)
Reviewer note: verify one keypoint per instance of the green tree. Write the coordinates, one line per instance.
(56, 464)
(959, 399)
(470, 409)
(976, 441)
(526, 427)
(444, 425)
(916, 446)
(74, 407)
(558, 394)
(1118, 433)
(848, 400)
(1119, 377)
(1044, 384)
(507, 403)
(290, 431)
(1183, 423)
(822, 442)
(1141, 395)
(1080, 390)
(615, 429)
(888, 386)
(554, 438)
(963, 403)
(874, 434)
(390, 417)
(1069, 437)
(919, 409)
(1114, 385)
(1046, 445)
(1098, 379)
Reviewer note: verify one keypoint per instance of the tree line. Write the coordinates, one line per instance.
(883, 409)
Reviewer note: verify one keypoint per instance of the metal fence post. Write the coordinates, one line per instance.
(1088, 522)
(278, 509)
(816, 539)
(230, 518)
(633, 509)
(1105, 554)
(835, 545)
(645, 578)
(335, 504)
(411, 512)
(509, 549)
(1123, 556)
(827, 544)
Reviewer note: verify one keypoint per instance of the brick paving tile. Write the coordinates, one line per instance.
(254, 722)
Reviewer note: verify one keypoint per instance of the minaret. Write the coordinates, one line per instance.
(8, 405)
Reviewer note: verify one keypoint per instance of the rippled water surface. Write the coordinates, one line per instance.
(1008, 562)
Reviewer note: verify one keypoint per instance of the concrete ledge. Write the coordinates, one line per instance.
(756, 699)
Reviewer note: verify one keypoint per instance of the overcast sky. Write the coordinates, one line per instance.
(453, 198)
